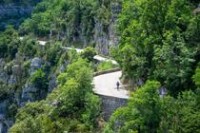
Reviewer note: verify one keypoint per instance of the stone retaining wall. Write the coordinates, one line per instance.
(106, 71)
(110, 104)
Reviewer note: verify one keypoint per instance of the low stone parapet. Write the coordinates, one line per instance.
(106, 71)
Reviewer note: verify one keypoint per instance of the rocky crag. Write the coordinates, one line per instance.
(16, 75)
(104, 39)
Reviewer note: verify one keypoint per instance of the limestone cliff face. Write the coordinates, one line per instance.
(105, 39)
(15, 75)
(103, 33)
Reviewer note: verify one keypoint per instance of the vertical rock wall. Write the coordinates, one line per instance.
(105, 39)
(110, 104)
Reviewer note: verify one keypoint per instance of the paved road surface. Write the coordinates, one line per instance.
(106, 85)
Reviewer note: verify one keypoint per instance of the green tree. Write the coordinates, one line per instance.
(156, 42)
(71, 107)
(105, 66)
(196, 77)
(142, 113)
(8, 43)
(180, 115)
(88, 53)
(53, 53)
(39, 79)
(28, 47)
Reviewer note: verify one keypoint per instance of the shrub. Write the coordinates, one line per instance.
(105, 66)
(53, 53)
(88, 53)
(4, 91)
(28, 47)
(3, 49)
(39, 79)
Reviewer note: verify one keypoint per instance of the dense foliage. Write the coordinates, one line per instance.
(159, 45)
(72, 107)
(147, 112)
(14, 12)
(159, 48)
(71, 20)
(106, 66)
(8, 43)
(159, 41)
(16, 72)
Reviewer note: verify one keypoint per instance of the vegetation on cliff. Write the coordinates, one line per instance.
(159, 46)
(160, 41)
(69, 20)
(71, 107)
(48, 89)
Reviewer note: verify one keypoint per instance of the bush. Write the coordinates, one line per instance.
(105, 66)
(196, 77)
(72, 107)
(3, 49)
(88, 53)
(39, 79)
(28, 47)
(12, 110)
(53, 53)
(4, 91)
(13, 48)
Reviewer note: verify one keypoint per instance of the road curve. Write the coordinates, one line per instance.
(106, 85)
(103, 84)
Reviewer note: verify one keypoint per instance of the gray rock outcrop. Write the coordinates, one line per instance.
(36, 63)
(104, 40)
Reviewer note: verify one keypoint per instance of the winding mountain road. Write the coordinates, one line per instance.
(103, 84)
(106, 85)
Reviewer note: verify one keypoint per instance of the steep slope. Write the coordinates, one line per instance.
(159, 40)
(76, 22)
(27, 72)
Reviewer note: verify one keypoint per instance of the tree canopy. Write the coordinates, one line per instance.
(159, 41)
(71, 107)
